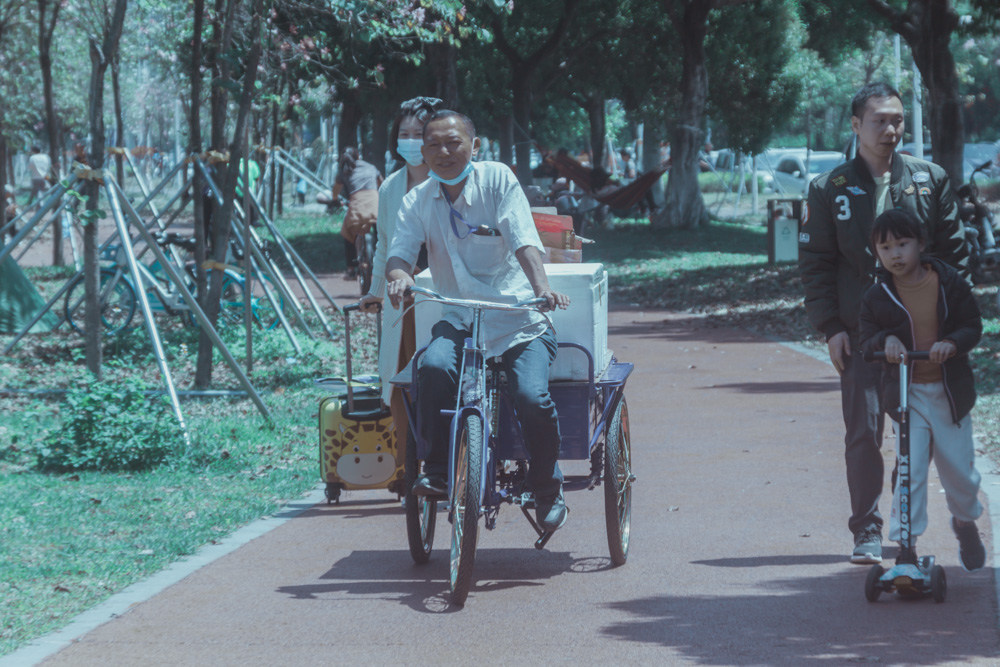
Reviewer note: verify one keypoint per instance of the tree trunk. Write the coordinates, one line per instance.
(442, 57)
(506, 139)
(350, 118)
(684, 206)
(101, 55)
(927, 27)
(4, 174)
(222, 220)
(223, 22)
(276, 140)
(594, 106)
(520, 85)
(651, 156)
(46, 28)
(119, 118)
(380, 135)
(194, 147)
(937, 69)
(367, 148)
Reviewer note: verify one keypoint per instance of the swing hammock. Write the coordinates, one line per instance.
(623, 198)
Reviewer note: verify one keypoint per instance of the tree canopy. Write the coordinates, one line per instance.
(534, 75)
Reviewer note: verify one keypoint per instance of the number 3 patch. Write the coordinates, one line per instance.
(845, 207)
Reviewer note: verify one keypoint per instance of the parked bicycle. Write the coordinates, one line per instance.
(119, 298)
(978, 219)
(365, 249)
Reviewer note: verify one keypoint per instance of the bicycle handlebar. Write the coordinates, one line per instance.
(528, 304)
(916, 355)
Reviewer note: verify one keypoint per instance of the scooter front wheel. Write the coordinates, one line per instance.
(465, 504)
(873, 584)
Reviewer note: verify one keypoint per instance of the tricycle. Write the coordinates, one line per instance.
(488, 461)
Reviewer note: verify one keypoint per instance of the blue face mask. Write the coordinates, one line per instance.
(409, 150)
(453, 181)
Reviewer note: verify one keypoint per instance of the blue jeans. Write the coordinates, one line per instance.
(527, 369)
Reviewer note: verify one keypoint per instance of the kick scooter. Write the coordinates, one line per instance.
(911, 576)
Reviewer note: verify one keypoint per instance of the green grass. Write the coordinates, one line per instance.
(69, 541)
(718, 273)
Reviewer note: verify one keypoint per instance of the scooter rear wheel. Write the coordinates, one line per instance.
(873, 584)
(939, 583)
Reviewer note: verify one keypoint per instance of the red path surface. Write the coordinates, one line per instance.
(738, 554)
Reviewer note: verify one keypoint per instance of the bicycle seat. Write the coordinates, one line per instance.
(171, 238)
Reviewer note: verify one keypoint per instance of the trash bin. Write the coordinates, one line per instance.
(783, 229)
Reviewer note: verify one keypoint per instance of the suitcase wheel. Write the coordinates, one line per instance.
(333, 493)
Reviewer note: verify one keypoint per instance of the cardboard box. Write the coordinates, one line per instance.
(585, 322)
(556, 233)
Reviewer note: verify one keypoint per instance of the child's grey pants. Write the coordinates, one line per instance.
(932, 427)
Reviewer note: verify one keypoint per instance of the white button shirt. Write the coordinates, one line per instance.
(475, 267)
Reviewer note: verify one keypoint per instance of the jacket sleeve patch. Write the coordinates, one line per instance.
(839, 181)
(804, 237)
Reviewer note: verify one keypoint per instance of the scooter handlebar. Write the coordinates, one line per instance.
(916, 355)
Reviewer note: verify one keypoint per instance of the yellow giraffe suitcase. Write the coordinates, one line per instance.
(357, 443)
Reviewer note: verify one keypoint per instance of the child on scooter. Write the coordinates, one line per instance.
(920, 303)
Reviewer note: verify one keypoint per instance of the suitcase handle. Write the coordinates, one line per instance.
(347, 342)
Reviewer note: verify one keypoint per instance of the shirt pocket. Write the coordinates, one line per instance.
(484, 255)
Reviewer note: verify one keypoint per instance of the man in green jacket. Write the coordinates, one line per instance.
(837, 265)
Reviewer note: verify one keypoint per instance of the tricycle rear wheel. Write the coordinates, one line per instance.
(421, 511)
(618, 480)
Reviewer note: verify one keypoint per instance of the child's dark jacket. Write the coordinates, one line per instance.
(959, 320)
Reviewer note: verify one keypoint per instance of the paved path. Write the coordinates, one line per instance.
(738, 552)
(739, 546)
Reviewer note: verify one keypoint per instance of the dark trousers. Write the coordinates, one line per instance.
(527, 369)
(864, 419)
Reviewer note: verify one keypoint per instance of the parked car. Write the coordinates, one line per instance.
(791, 175)
(973, 155)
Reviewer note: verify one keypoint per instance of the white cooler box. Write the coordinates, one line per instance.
(585, 322)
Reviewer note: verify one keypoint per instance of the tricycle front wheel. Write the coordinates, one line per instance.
(618, 480)
(465, 503)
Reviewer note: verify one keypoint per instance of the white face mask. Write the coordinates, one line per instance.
(409, 150)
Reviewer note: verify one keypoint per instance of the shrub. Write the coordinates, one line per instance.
(110, 426)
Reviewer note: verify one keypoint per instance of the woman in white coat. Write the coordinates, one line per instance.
(398, 338)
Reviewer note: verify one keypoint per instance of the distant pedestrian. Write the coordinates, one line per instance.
(249, 173)
(837, 265)
(80, 154)
(921, 303)
(361, 181)
(300, 191)
(628, 167)
(40, 168)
